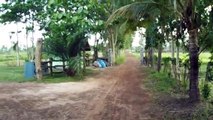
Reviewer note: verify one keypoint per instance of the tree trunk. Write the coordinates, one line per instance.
(146, 57)
(17, 56)
(142, 56)
(174, 72)
(84, 60)
(173, 48)
(151, 61)
(63, 63)
(177, 67)
(113, 47)
(159, 57)
(17, 47)
(177, 56)
(194, 94)
(38, 59)
(27, 47)
(32, 39)
(95, 55)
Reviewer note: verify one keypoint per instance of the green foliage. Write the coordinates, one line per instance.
(120, 59)
(64, 44)
(21, 11)
(166, 63)
(75, 64)
(206, 90)
(67, 31)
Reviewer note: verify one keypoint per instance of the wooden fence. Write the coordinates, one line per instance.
(49, 68)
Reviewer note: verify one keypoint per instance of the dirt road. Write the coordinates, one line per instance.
(116, 93)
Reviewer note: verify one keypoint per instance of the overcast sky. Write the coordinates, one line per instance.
(5, 32)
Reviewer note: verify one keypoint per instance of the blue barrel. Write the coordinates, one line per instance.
(29, 70)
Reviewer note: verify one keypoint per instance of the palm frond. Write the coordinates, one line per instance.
(138, 11)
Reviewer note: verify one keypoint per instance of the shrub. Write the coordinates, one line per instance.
(120, 60)
(206, 91)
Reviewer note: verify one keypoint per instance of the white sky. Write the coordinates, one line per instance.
(136, 39)
(5, 31)
(138, 36)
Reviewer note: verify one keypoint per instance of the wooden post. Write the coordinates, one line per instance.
(38, 59)
(63, 62)
(51, 68)
(84, 60)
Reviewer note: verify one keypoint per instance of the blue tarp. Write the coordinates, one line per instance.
(102, 63)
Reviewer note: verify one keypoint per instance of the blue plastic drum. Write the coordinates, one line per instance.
(29, 70)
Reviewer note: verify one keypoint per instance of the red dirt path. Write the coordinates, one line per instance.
(116, 93)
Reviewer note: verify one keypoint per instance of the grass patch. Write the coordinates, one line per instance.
(120, 59)
(160, 82)
(204, 57)
(60, 78)
(11, 74)
(137, 55)
(171, 104)
(16, 74)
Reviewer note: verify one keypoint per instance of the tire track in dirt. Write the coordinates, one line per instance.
(125, 99)
(98, 103)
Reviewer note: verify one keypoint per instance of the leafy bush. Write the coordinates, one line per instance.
(120, 60)
(166, 63)
(75, 66)
(206, 91)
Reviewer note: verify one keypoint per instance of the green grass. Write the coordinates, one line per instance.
(16, 74)
(9, 59)
(11, 74)
(160, 82)
(137, 55)
(60, 78)
(204, 57)
(120, 59)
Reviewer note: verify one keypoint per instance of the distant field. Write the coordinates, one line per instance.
(9, 59)
(204, 57)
